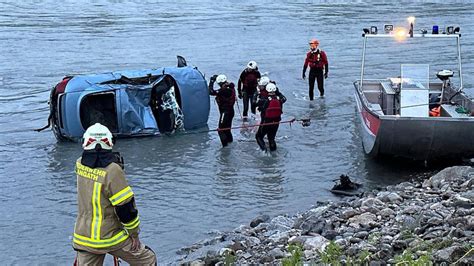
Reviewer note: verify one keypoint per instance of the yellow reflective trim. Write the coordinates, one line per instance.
(121, 196)
(103, 243)
(99, 210)
(133, 224)
(96, 212)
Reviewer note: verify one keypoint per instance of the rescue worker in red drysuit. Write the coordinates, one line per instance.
(247, 86)
(270, 107)
(318, 64)
(107, 218)
(225, 98)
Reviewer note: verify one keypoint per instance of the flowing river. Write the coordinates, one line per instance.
(187, 185)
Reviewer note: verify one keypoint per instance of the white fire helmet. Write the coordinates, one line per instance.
(263, 81)
(271, 87)
(221, 79)
(252, 65)
(97, 134)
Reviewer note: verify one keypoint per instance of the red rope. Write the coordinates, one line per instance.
(256, 125)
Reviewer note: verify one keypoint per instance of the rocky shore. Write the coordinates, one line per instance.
(419, 222)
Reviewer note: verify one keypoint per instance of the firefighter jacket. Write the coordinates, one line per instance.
(100, 192)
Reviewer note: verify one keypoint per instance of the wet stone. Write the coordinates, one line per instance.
(258, 220)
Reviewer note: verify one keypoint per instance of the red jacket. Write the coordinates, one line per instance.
(316, 59)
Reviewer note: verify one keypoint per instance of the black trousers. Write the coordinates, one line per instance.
(270, 131)
(316, 74)
(225, 121)
(247, 96)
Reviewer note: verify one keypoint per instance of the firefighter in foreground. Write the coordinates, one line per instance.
(318, 64)
(270, 107)
(107, 219)
(225, 98)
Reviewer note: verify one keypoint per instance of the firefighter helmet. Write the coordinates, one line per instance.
(271, 87)
(263, 81)
(97, 134)
(252, 65)
(221, 79)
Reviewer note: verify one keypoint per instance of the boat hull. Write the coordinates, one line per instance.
(417, 138)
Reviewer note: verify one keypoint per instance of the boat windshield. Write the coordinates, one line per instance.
(384, 57)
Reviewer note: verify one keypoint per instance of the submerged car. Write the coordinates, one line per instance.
(131, 103)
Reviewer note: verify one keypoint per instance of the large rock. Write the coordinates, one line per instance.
(449, 175)
(388, 196)
(449, 254)
(317, 242)
(258, 220)
(372, 205)
(364, 220)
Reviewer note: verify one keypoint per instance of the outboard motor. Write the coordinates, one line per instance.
(444, 76)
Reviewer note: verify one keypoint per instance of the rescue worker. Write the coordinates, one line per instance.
(247, 86)
(261, 89)
(318, 68)
(225, 98)
(107, 219)
(270, 107)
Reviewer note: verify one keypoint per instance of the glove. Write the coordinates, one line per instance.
(326, 75)
(240, 95)
(304, 75)
(213, 78)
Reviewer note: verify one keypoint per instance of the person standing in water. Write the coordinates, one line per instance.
(270, 105)
(225, 98)
(247, 86)
(318, 64)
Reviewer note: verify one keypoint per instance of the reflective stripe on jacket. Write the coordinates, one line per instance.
(99, 190)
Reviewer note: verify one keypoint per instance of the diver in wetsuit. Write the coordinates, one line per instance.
(318, 64)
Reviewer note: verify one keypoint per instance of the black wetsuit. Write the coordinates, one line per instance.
(225, 98)
(247, 86)
(318, 68)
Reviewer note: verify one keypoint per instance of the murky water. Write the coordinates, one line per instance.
(188, 185)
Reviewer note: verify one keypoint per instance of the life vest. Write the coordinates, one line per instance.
(315, 59)
(273, 110)
(251, 79)
(435, 111)
(226, 96)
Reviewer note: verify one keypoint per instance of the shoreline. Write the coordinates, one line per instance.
(421, 221)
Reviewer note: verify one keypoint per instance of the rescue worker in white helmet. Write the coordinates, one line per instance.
(225, 98)
(262, 91)
(247, 86)
(107, 219)
(271, 109)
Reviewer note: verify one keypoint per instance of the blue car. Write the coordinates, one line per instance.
(131, 103)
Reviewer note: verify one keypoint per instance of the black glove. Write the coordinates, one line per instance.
(240, 95)
(304, 75)
(213, 78)
(326, 75)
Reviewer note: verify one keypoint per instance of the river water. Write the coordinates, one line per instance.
(187, 186)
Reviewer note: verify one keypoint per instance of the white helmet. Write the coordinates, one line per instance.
(263, 81)
(271, 87)
(97, 134)
(252, 65)
(221, 79)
